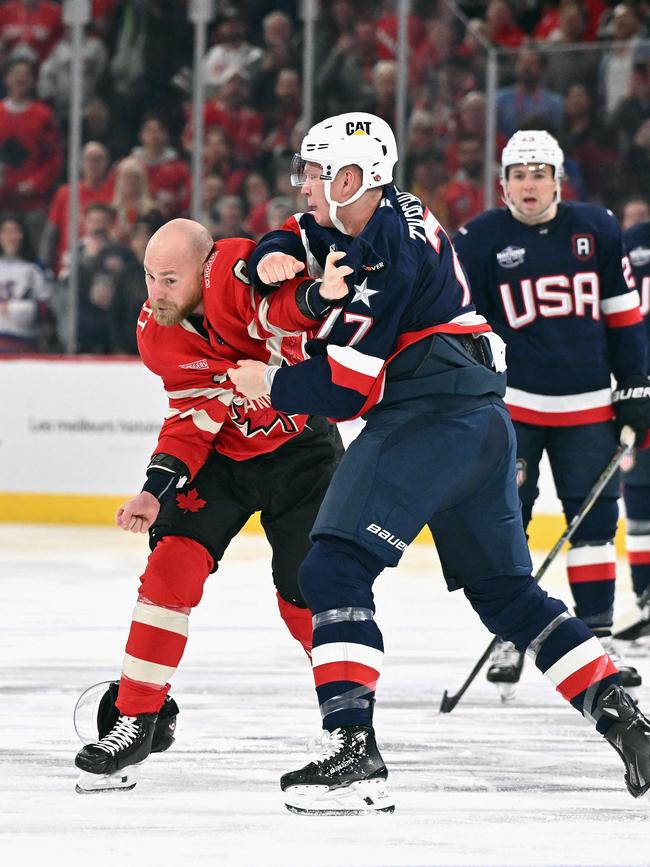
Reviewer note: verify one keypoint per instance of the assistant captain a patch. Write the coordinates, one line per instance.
(511, 257)
(583, 246)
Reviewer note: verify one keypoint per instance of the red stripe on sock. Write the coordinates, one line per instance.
(155, 645)
(135, 697)
(592, 572)
(638, 558)
(353, 671)
(591, 673)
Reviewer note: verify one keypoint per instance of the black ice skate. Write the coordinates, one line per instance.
(347, 778)
(505, 668)
(630, 737)
(630, 677)
(113, 762)
(163, 735)
(635, 623)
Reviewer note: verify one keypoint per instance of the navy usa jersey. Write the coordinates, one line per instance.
(637, 246)
(562, 296)
(407, 283)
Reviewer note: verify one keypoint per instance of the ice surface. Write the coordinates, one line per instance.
(523, 784)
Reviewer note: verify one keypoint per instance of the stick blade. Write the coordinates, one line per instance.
(448, 702)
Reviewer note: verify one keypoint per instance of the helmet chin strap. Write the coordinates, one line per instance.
(334, 206)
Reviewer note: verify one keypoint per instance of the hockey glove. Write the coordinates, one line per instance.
(631, 402)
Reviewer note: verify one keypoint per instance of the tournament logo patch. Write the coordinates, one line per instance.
(583, 246)
(639, 256)
(511, 257)
(195, 365)
(522, 471)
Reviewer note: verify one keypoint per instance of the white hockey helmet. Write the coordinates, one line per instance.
(355, 138)
(532, 147)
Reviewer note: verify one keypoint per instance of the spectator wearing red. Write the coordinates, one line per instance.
(29, 29)
(386, 28)
(218, 161)
(230, 112)
(30, 150)
(167, 173)
(283, 112)
(550, 20)
(462, 197)
(501, 28)
(257, 194)
(95, 185)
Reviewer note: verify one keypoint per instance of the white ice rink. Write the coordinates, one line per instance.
(523, 784)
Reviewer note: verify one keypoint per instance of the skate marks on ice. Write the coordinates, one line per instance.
(523, 784)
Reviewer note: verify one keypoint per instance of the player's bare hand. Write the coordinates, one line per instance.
(138, 513)
(276, 267)
(248, 378)
(333, 286)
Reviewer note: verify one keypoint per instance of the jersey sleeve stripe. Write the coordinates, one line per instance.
(620, 320)
(620, 303)
(353, 369)
(558, 403)
(200, 418)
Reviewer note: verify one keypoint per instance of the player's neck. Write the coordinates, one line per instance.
(355, 219)
(545, 217)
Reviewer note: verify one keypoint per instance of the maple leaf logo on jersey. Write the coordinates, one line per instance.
(190, 502)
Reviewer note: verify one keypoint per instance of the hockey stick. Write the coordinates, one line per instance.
(449, 702)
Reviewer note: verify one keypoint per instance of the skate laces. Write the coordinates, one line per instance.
(326, 746)
(123, 733)
(505, 653)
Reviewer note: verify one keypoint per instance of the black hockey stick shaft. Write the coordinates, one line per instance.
(449, 702)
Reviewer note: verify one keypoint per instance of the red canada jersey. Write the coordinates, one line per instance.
(205, 412)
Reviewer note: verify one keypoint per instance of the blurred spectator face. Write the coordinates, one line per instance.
(429, 173)
(470, 157)
(531, 189)
(216, 148)
(94, 163)
(573, 23)
(139, 240)
(343, 14)
(102, 292)
(234, 90)
(288, 89)
(472, 113)
(277, 29)
(577, 102)
(231, 31)
(131, 179)
(365, 39)
(19, 81)
(231, 214)
(278, 210)
(498, 16)
(212, 190)
(154, 136)
(11, 238)
(625, 23)
(384, 77)
(422, 135)
(98, 223)
(97, 119)
(634, 212)
(529, 69)
(256, 189)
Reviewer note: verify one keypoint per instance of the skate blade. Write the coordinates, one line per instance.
(362, 798)
(507, 691)
(124, 780)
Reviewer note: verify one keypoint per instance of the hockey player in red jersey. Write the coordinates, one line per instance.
(218, 459)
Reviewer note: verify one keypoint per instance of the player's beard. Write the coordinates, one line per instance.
(169, 313)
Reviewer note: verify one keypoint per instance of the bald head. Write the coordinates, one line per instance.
(173, 266)
(184, 238)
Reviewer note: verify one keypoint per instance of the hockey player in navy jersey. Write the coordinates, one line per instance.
(406, 349)
(635, 623)
(551, 278)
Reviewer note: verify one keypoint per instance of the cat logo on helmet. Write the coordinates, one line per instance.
(351, 139)
(360, 127)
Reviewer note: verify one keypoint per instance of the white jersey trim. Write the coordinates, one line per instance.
(558, 403)
(620, 303)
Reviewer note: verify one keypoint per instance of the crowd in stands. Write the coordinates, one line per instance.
(579, 69)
